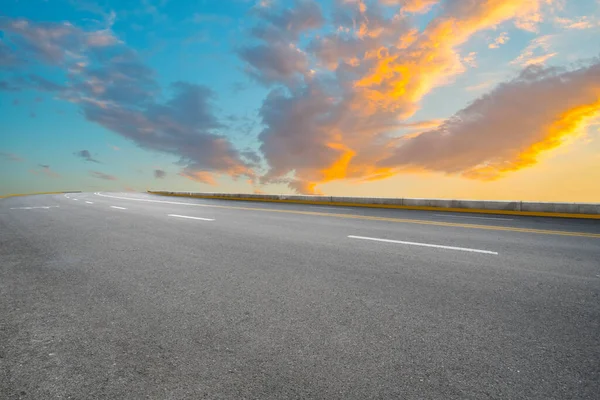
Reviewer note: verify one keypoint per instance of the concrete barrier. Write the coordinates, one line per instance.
(567, 210)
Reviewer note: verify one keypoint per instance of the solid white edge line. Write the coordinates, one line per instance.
(118, 208)
(424, 245)
(468, 216)
(188, 217)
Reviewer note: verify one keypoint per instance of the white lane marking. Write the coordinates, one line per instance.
(425, 245)
(31, 208)
(89, 202)
(167, 202)
(118, 208)
(185, 216)
(154, 201)
(468, 216)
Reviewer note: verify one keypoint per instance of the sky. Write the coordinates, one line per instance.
(467, 99)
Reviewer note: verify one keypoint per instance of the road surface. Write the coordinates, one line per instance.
(135, 296)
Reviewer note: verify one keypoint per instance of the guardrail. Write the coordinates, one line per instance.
(546, 209)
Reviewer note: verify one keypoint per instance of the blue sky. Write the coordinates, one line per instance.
(391, 98)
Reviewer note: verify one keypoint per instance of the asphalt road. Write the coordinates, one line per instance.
(124, 296)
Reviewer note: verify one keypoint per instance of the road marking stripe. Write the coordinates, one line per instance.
(188, 217)
(74, 199)
(31, 208)
(373, 218)
(118, 208)
(89, 202)
(468, 216)
(425, 245)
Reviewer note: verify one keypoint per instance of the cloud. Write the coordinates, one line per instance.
(428, 124)
(341, 113)
(290, 22)
(8, 58)
(6, 86)
(101, 175)
(10, 157)
(539, 59)
(580, 23)
(470, 59)
(480, 86)
(536, 52)
(276, 58)
(51, 43)
(40, 83)
(340, 97)
(276, 62)
(159, 174)
(529, 22)
(182, 126)
(98, 65)
(102, 38)
(500, 40)
(200, 176)
(31, 81)
(412, 6)
(116, 90)
(85, 154)
(45, 169)
(251, 156)
(120, 80)
(508, 128)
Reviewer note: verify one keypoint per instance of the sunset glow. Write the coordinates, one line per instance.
(496, 99)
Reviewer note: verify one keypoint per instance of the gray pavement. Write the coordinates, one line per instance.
(124, 296)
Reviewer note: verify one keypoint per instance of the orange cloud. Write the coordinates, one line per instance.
(200, 176)
(480, 86)
(343, 127)
(536, 52)
(539, 59)
(429, 124)
(509, 128)
(412, 6)
(400, 79)
(338, 169)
